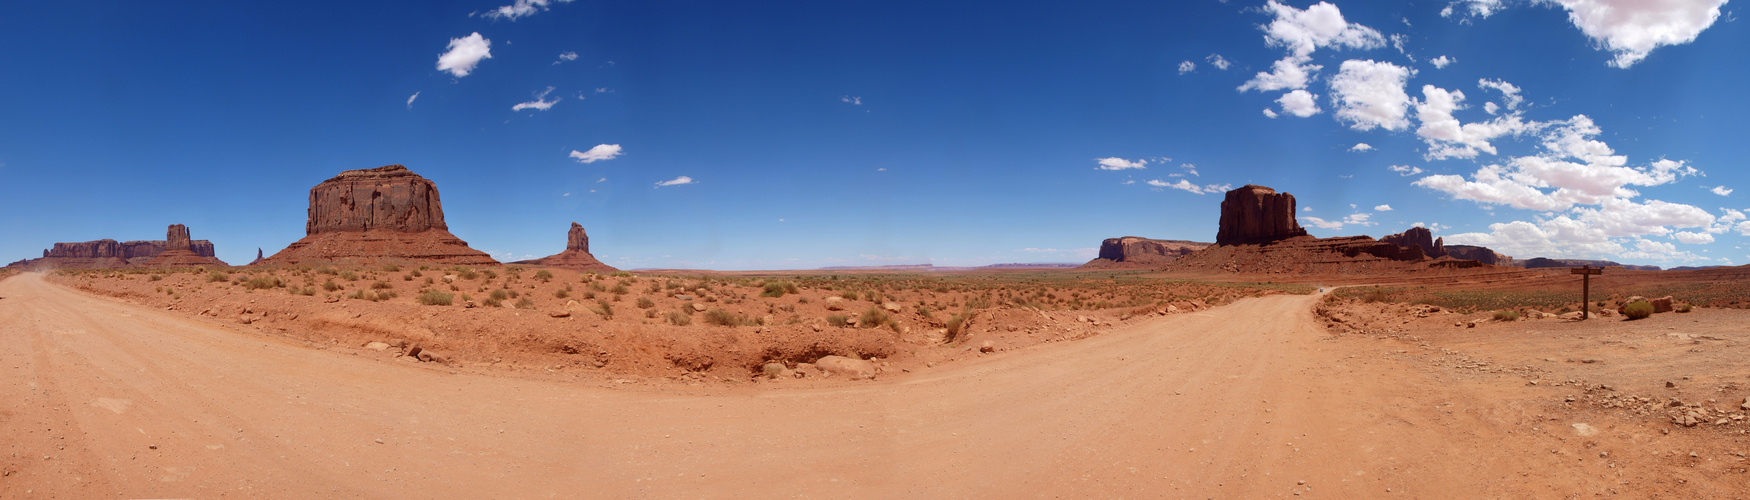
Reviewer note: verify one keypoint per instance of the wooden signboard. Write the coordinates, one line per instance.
(1586, 273)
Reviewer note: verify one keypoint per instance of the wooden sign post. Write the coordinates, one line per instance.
(1586, 273)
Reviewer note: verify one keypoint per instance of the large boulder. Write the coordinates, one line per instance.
(1255, 215)
(1419, 237)
(576, 256)
(370, 215)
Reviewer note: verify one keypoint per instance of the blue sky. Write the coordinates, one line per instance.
(805, 134)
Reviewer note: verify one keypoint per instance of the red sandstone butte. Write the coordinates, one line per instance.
(179, 251)
(380, 214)
(576, 256)
(1136, 251)
(1254, 215)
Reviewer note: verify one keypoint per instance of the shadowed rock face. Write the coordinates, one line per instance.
(1254, 215)
(389, 197)
(176, 238)
(178, 251)
(1479, 254)
(107, 253)
(576, 256)
(371, 215)
(576, 240)
(1419, 237)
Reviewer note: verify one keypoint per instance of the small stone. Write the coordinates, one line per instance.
(698, 307)
(377, 346)
(379, 440)
(152, 446)
(560, 314)
(1670, 384)
(988, 346)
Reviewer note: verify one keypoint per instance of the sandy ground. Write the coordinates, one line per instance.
(103, 398)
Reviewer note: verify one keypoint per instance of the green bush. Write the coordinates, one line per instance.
(874, 317)
(544, 276)
(1638, 310)
(435, 298)
(1506, 316)
(777, 289)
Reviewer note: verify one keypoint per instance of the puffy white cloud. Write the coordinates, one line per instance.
(1509, 92)
(540, 103)
(1320, 223)
(1320, 25)
(566, 56)
(852, 100)
(416, 96)
(1370, 94)
(521, 8)
(1719, 190)
(675, 181)
(1405, 170)
(1290, 72)
(1560, 237)
(1633, 28)
(1116, 163)
(1482, 8)
(1219, 62)
(1187, 186)
(1690, 238)
(1270, 113)
(1361, 147)
(1191, 169)
(1447, 138)
(1187, 67)
(1382, 208)
(1441, 62)
(598, 153)
(1578, 169)
(1620, 217)
(1299, 103)
(464, 54)
(1359, 219)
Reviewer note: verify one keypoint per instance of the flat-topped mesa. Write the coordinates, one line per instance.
(1419, 237)
(379, 214)
(1136, 251)
(576, 256)
(179, 251)
(1254, 215)
(389, 197)
(106, 254)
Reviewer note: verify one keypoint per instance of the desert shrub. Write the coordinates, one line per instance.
(619, 289)
(434, 298)
(490, 275)
(330, 285)
(721, 317)
(1638, 310)
(499, 294)
(371, 296)
(848, 295)
(603, 308)
(492, 302)
(349, 276)
(328, 270)
(622, 274)
(874, 317)
(544, 276)
(416, 273)
(306, 291)
(598, 286)
(1682, 308)
(215, 277)
(467, 274)
(406, 277)
(802, 300)
(777, 289)
(677, 318)
(391, 268)
(837, 320)
(561, 293)
(956, 324)
(525, 303)
(157, 277)
(646, 303)
(262, 283)
(1506, 316)
(1376, 295)
(381, 285)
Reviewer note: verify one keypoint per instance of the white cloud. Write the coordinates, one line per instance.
(1441, 62)
(1405, 170)
(1719, 190)
(521, 8)
(416, 96)
(1481, 8)
(1693, 238)
(1301, 32)
(1619, 217)
(1187, 186)
(1116, 163)
(540, 103)
(852, 100)
(1321, 223)
(1219, 62)
(1361, 147)
(1187, 67)
(1370, 94)
(598, 153)
(1290, 72)
(566, 56)
(1269, 113)
(1190, 169)
(1359, 219)
(464, 54)
(1633, 28)
(1299, 103)
(1576, 168)
(1509, 92)
(676, 181)
(1382, 208)
(604, 179)
(1447, 138)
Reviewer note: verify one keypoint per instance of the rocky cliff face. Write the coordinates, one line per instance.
(107, 253)
(1479, 254)
(1135, 251)
(1419, 237)
(1254, 215)
(389, 197)
(371, 215)
(179, 251)
(576, 255)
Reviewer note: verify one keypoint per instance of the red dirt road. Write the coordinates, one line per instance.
(99, 398)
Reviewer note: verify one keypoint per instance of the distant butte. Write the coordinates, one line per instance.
(1139, 252)
(107, 254)
(380, 214)
(576, 256)
(179, 252)
(1253, 215)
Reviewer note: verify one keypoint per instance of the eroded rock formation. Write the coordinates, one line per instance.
(1136, 251)
(1254, 215)
(576, 255)
(107, 254)
(1419, 237)
(178, 251)
(1479, 254)
(370, 215)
